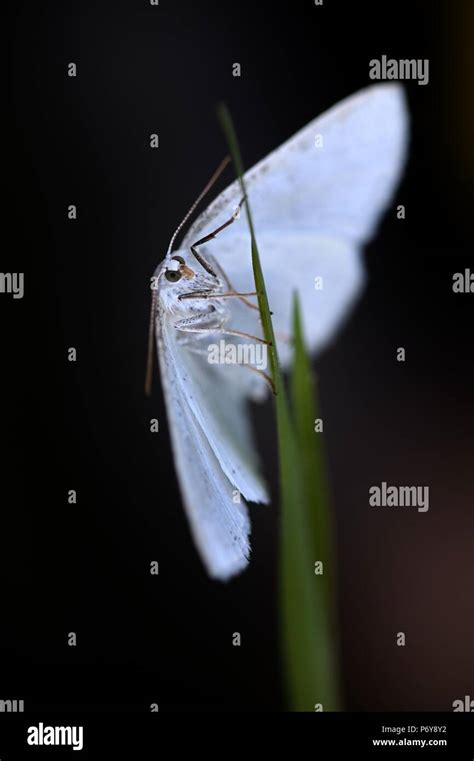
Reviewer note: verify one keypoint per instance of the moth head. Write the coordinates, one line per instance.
(176, 268)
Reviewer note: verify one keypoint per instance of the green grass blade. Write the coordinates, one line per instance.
(229, 131)
(304, 402)
(306, 646)
(314, 520)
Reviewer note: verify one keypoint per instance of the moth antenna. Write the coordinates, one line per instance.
(201, 195)
(151, 343)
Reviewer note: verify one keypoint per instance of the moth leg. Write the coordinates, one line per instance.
(214, 295)
(208, 267)
(187, 327)
(202, 261)
(197, 319)
(241, 296)
(262, 375)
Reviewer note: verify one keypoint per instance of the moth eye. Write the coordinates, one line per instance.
(173, 275)
(178, 259)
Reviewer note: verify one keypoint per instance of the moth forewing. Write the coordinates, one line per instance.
(220, 527)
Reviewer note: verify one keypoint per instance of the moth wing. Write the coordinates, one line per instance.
(214, 395)
(333, 177)
(220, 526)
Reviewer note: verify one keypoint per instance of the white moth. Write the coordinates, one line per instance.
(315, 201)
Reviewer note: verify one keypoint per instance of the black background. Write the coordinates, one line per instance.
(85, 426)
